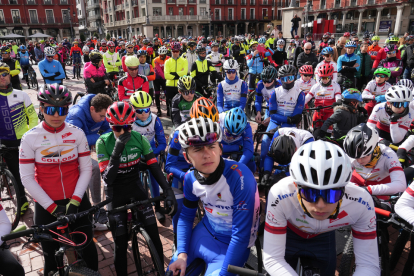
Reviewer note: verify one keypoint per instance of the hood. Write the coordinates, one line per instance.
(81, 111)
(343, 107)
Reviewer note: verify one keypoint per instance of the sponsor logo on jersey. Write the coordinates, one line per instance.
(302, 220)
(175, 140)
(338, 225)
(359, 200)
(58, 160)
(66, 135)
(341, 215)
(280, 198)
(208, 210)
(101, 155)
(69, 141)
(59, 151)
(134, 148)
(222, 214)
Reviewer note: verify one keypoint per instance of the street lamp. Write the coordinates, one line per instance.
(71, 32)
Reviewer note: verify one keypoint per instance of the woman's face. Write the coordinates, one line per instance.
(54, 120)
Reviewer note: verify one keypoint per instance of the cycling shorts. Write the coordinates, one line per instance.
(159, 85)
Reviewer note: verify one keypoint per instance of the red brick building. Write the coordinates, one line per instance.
(27, 17)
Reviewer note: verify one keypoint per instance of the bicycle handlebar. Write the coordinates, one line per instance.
(135, 203)
(243, 271)
(319, 108)
(382, 212)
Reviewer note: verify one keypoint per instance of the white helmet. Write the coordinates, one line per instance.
(85, 49)
(230, 64)
(162, 50)
(407, 83)
(398, 93)
(49, 51)
(360, 141)
(205, 129)
(320, 165)
(280, 42)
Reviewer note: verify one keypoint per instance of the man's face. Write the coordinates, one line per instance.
(350, 50)
(97, 117)
(375, 42)
(327, 57)
(188, 97)
(4, 79)
(132, 71)
(142, 59)
(205, 159)
(280, 35)
(5, 55)
(130, 49)
(214, 49)
(112, 49)
(307, 49)
(175, 54)
(341, 43)
(364, 48)
(356, 40)
(254, 47)
(54, 120)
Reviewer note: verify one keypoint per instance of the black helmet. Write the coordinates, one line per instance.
(360, 141)
(223, 41)
(287, 70)
(204, 40)
(201, 49)
(54, 94)
(191, 44)
(155, 39)
(331, 41)
(282, 149)
(269, 73)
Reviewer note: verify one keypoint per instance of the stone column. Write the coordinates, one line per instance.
(224, 30)
(60, 33)
(329, 15)
(235, 29)
(197, 32)
(44, 30)
(257, 29)
(343, 19)
(77, 35)
(398, 20)
(26, 31)
(377, 24)
(10, 30)
(186, 30)
(165, 30)
(247, 27)
(360, 21)
(176, 31)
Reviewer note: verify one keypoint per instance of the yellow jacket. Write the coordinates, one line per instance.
(178, 66)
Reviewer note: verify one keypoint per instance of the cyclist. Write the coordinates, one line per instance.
(76, 55)
(374, 48)
(51, 70)
(279, 55)
(216, 58)
(85, 54)
(376, 166)
(382, 54)
(129, 52)
(112, 61)
(133, 81)
(309, 40)
(376, 89)
(94, 73)
(56, 152)
(24, 59)
(229, 228)
(119, 153)
(393, 118)
(327, 53)
(318, 192)
(14, 66)
(306, 80)
(265, 88)
(104, 47)
(348, 64)
(182, 102)
(391, 62)
(159, 82)
(223, 48)
(255, 63)
(326, 93)
(404, 206)
(149, 126)
(145, 69)
(174, 68)
(238, 52)
(190, 55)
(285, 106)
(285, 142)
(232, 91)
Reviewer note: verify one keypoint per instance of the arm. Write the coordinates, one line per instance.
(397, 132)
(248, 148)
(151, 75)
(273, 109)
(42, 71)
(175, 113)
(378, 58)
(243, 96)
(167, 72)
(335, 118)
(397, 183)
(194, 71)
(259, 97)
(30, 111)
(118, 60)
(108, 164)
(405, 205)
(373, 119)
(268, 162)
(300, 104)
(17, 69)
(250, 61)
(5, 225)
(123, 64)
(85, 168)
(105, 60)
(172, 158)
(184, 70)
(220, 98)
(61, 72)
(160, 137)
(339, 63)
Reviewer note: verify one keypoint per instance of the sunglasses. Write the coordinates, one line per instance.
(230, 136)
(187, 92)
(379, 76)
(329, 195)
(111, 47)
(49, 57)
(120, 128)
(231, 71)
(287, 78)
(325, 78)
(51, 110)
(307, 49)
(175, 51)
(4, 75)
(391, 52)
(142, 110)
(327, 55)
(267, 81)
(400, 104)
(132, 69)
(196, 141)
(202, 54)
(307, 75)
(130, 47)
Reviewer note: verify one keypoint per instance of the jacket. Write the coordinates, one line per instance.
(174, 69)
(158, 65)
(127, 86)
(408, 56)
(38, 54)
(395, 66)
(111, 62)
(255, 63)
(342, 120)
(367, 62)
(303, 58)
(382, 55)
(14, 70)
(191, 57)
(98, 75)
(54, 70)
(373, 51)
(80, 115)
(147, 70)
(349, 61)
(201, 70)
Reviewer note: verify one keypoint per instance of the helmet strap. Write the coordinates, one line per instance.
(334, 214)
(375, 156)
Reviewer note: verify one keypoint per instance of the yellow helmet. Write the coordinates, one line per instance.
(186, 83)
(131, 61)
(141, 99)
(4, 67)
(252, 43)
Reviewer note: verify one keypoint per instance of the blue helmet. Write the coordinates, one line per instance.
(350, 44)
(327, 51)
(262, 40)
(142, 53)
(352, 94)
(235, 121)
(22, 47)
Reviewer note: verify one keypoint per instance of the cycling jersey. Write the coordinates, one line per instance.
(14, 72)
(383, 55)
(154, 132)
(191, 57)
(231, 214)
(24, 58)
(255, 63)
(385, 178)
(324, 95)
(393, 132)
(395, 66)
(373, 51)
(374, 89)
(128, 86)
(111, 62)
(176, 163)
(5, 225)
(305, 86)
(200, 72)
(76, 52)
(123, 61)
(284, 211)
(180, 111)
(285, 103)
(263, 91)
(147, 70)
(231, 94)
(16, 107)
(216, 59)
(335, 72)
(405, 205)
(178, 66)
(55, 164)
(51, 67)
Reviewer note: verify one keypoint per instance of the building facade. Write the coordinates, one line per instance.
(57, 18)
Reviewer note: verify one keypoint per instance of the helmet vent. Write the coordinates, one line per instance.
(302, 171)
(328, 155)
(312, 154)
(314, 175)
(301, 153)
(327, 176)
(339, 153)
(338, 174)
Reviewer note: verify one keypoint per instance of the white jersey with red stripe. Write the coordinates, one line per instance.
(380, 120)
(386, 177)
(373, 89)
(405, 205)
(324, 95)
(5, 225)
(284, 211)
(335, 72)
(305, 86)
(55, 164)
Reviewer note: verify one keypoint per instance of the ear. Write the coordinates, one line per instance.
(92, 109)
(186, 157)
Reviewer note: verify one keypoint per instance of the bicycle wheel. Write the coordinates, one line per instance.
(250, 109)
(79, 271)
(346, 268)
(398, 248)
(146, 258)
(78, 96)
(384, 253)
(10, 197)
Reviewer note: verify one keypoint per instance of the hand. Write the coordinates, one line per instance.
(377, 202)
(92, 80)
(258, 118)
(275, 179)
(266, 121)
(337, 103)
(57, 74)
(402, 155)
(179, 264)
(322, 134)
(362, 110)
(255, 53)
(107, 82)
(72, 207)
(296, 119)
(59, 211)
(170, 203)
(265, 179)
(120, 143)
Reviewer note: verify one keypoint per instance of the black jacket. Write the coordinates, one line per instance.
(342, 120)
(408, 57)
(304, 58)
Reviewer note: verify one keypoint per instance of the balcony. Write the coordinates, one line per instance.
(192, 1)
(170, 1)
(110, 9)
(231, 2)
(94, 17)
(266, 2)
(110, 24)
(353, 3)
(34, 20)
(126, 5)
(64, 2)
(17, 20)
(31, 2)
(105, 10)
(47, 2)
(91, 6)
(323, 6)
(134, 3)
(118, 7)
(82, 27)
(252, 2)
(337, 5)
(371, 2)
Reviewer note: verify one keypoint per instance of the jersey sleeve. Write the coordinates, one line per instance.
(172, 158)
(243, 97)
(248, 148)
(103, 155)
(220, 98)
(373, 118)
(30, 111)
(405, 205)
(160, 137)
(5, 225)
(85, 168)
(398, 130)
(367, 93)
(259, 97)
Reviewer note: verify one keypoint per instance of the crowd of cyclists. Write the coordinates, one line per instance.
(334, 124)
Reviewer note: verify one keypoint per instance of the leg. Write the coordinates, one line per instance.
(291, 31)
(179, 196)
(151, 92)
(252, 82)
(9, 266)
(407, 73)
(171, 92)
(266, 143)
(95, 183)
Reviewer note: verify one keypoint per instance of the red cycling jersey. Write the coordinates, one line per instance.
(127, 86)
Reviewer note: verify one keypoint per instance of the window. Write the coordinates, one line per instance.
(1, 16)
(143, 12)
(110, 18)
(217, 2)
(16, 16)
(191, 11)
(202, 1)
(203, 11)
(230, 13)
(33, 16)
(243, 14)
(252, 14)
(337, 4)
(50, 17)
(279, 14)
(31, 2)
(323, 4)
(180, 11)
(156, 11)
(127, 15)
(264, 14)
(217, 14)
(66, 16)
(385, 12)
(170, 11)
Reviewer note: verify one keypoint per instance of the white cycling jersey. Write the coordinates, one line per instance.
(191, 57)
(305, 86)
(373, 89)
(408, 144)
(284, 211)
(386, 177)
(216, 58)
(324, 95)
(405, 205)
(301, 135)
(335, 72)
(5, 225)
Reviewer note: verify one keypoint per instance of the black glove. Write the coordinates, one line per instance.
(46, 71)
(72, 207)
(402, 156)
(59, 211)
(362, 110)
(377, 202)
(296, 119)
(322, 134)
(176, 76)
(337, 103)
(170, 203)
(265, 179)
(57, 74)
(394, 117)
(120, 143)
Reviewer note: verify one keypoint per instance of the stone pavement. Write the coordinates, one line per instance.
(31, 257)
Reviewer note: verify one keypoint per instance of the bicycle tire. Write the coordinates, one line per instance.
(156, 267)
(77, 98)
(409, 266)
(345, 268)
(399, 246)
(10, 187)
(79, 271)
(384, 254)
(250, 109)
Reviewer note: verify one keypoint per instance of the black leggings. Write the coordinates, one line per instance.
(89, 253)
(171, 91)
(9, 266)
(12, 161)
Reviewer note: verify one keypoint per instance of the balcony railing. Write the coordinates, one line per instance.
(353, 3)
(90, 6)
(47, 2)
(279, 17)
(110, 9)
(13, 2)
(134, 3)
(31, 2)
(203, 1)
(94, 17)
(192, 1)
(16, 20)
(34, 20)
(64, 2)
(171, 1)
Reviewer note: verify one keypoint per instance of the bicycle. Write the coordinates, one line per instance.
(39, 233)
(144, 173)
(137, 232)
(32, 80)
(9, 192)
(317, 124)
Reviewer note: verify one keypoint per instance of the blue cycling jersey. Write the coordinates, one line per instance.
(348, 60)
(264, 92)
(24, 58)
(175, 162)
(285, 103)
(232, 93)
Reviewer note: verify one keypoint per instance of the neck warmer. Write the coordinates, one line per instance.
(212, 178)
(236, 79)
(144, 123)
(349, 55)
(391, 59)
(6, 91)
(288, 86)
(376, 154)
(201, 58)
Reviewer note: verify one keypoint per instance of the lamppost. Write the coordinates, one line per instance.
(71, 32)
(308, 7)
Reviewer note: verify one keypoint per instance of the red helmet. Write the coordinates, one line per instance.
(150, 51)
(296, 36)
(120, 113)
(176, 46)
(111, 44)
(103, 44)
(306, 69)
(347, 34)
(326, 70)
